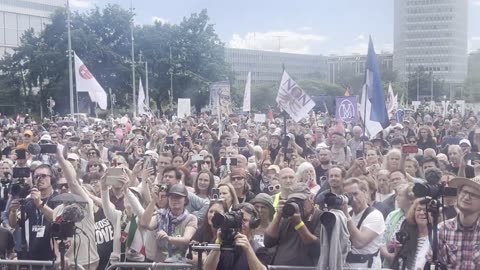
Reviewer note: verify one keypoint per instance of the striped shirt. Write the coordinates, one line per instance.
(462, 245)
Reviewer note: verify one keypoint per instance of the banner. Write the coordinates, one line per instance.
(292, 99)
(86, 82)
(260, 118)
(346, 109)
(220, 94)
(183, 108)
(246, 95)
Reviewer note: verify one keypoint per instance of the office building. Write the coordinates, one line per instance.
(432, 34)
(354, 65)
(17, 16)
(266, 67)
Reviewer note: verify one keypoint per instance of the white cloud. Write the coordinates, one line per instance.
(284, 41)
(81, 3)
(475, 38)
(305, 29)
(359, 45)
(476, 3)
(159, 19)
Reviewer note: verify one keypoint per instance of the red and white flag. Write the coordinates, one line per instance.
(86, 82)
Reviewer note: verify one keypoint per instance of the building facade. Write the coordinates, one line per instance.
(354, 65)
(432, 34)
(17, 16)
(266, 67)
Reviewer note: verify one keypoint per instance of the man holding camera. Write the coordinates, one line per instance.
(242, 257)
(295, 229)
(38, 209)
(365, 224)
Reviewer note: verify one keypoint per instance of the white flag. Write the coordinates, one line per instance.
(141, 99)
(392, 105)
(292, 99)
(246, 95)
(86, 82)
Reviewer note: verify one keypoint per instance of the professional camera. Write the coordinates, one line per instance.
(336, 201)
(402, 237)
(63, 229)
(291, 206)
(433, 188)
(162, 188)
(230, 224)
(19, 188)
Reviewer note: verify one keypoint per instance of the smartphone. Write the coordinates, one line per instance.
(169, 140)
(113, 176)
(21, 154)
(359, 154)
(86, 142)
(48, 148)
(242, 142)
(21, 172)
(233, 161)
(215, 193)
(197, 157)
(74, 139)
(472, 156)
(410, 149)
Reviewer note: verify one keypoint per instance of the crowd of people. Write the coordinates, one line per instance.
(315, 193)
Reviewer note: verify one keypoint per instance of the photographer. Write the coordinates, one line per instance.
(295, 229)
(38, 211)
(243, 256)
(365, 224)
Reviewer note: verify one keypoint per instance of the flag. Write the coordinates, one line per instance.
(373, 98)
(86, 82)
(246, 95)
(347, 91)
(292, 99)
(346, 109)
(143, 109)
(392, 101)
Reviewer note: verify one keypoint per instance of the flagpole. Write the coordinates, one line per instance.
(364, 117)
(70, 70)
(133, 62)
(147, 96)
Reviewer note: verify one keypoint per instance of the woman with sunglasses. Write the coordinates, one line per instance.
(95, 166)
(238, 179)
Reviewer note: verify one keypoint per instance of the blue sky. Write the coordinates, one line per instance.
(303, 26)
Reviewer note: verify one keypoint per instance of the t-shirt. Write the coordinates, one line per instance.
(39, 248)
(236, 260)
(103, 238)
(374, 222)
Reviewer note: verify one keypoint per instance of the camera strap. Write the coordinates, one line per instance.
(364, 215)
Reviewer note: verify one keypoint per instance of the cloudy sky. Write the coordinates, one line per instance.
(304, 26)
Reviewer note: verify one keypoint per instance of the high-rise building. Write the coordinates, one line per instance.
(432, 34)
(17, 16)
(266, 67)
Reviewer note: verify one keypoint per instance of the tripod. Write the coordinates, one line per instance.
(433, 207)
(201, 248)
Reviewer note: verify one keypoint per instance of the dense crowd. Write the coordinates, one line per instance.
(314, 193)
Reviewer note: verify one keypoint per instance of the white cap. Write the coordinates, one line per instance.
(46, 137)
(465, 141)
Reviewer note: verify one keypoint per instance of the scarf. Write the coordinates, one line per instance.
(168, 223)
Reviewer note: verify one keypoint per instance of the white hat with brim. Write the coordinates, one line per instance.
(459, 182)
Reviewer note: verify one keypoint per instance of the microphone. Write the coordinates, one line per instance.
(72, 213)
(433, 176)
(34, 149)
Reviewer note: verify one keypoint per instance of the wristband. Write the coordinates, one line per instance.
(218, 241)
(299, 225)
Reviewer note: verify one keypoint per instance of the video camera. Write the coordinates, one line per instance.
(291, 206)
(433, 188)
(18, 187)
(230, 224)
(336, 201)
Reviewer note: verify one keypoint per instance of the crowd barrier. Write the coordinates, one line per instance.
(26, 264)
(160, 266)
(283, 267)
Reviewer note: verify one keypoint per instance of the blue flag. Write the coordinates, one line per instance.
(375, 92)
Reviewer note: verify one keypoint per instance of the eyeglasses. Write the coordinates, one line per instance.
(273, 187)
(238, 178)
(208, 162)
(41, 176)
(464, 193)
(26, 135)
(92, 153)
(412, 141)
(62, 186)
(95, 165)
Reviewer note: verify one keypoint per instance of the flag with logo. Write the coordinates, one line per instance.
(86, 82)
(346, 109)
(292, 99)
(220, 96)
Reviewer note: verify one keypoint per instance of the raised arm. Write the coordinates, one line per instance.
(71, 176)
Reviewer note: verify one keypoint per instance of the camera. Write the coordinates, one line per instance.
(63, 230)
(402, 237)
(433, 191)
(215, 193)
(162, 188)
(291, 206)
(19, 188)
(230, 224)
(336, 201)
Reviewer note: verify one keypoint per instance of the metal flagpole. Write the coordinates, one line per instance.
(70, 69)
(146, 83)
(133, 62)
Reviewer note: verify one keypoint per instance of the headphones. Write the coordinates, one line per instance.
(53, 171)
(247, 207)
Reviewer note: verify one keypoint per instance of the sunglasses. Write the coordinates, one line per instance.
(26, 135)
(273, 187)
(41, 176)
(238, 178)
(92, 153)
(412, 141)
(95, 165)
(63, 186)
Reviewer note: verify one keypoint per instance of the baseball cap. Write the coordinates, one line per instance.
(46, 137)
(465, 141)
(73, 156)
(178, 189)
(299, 191)
(28, 132)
